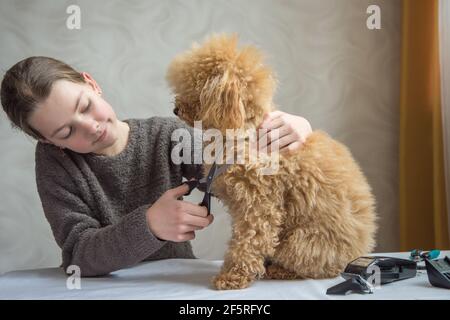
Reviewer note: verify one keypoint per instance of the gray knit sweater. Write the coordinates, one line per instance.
(96, 204)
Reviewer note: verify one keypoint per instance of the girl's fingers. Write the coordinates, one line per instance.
(185, 236)
(274, 123)
(286, 141)
(287, 144)
(291, 148)
(197, 221)
(194, 209)
(269, 136)
(269, 117)
(188, 228)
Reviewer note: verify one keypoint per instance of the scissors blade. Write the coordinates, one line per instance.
(222, 168)
(213, 173)
(210, 177)
(218, 170)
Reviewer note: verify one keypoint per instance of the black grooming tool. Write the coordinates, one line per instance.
(206, 182)
(438, 272)
(361, 273)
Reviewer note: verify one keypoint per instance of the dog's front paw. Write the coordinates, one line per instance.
(230, 281)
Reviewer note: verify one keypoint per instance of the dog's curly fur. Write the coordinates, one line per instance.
(309, 219)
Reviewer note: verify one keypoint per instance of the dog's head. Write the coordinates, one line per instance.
(221, 85)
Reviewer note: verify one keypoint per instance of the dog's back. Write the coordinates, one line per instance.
(330, 210)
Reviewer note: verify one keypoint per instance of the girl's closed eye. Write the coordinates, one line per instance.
(87, 107)
(69, 134)
(84, 110)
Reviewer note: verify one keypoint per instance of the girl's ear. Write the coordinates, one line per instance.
(91, 82)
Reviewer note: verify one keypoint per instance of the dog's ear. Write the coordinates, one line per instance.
(221, 102)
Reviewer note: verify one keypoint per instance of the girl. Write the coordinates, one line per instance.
(108, 188)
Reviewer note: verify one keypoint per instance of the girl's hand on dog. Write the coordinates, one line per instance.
(176, 220)
(292, 132)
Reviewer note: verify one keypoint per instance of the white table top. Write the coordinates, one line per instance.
(190, 279)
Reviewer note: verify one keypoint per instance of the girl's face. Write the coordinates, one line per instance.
(75, 116)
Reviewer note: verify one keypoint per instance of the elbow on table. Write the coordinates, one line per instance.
(81, 270)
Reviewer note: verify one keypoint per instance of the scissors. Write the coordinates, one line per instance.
(206, 182)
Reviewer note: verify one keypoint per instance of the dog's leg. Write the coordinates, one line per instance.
(274, 271)
(277, 272)
(254, 238)
(311, 254)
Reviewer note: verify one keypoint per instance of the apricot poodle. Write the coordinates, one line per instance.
(313, 215)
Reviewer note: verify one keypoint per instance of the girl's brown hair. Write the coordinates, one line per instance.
(28, 83)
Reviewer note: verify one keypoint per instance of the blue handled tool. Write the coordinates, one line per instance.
(419, 255)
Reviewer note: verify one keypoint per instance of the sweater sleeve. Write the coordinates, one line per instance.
(96, 250)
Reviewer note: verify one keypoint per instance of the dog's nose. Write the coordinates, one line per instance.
(175, 111)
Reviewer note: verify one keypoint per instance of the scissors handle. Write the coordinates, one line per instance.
(206, 202)
(192, 184)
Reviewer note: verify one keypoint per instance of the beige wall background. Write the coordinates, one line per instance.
(333, 70)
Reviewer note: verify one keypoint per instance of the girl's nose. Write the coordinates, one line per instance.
(91, 126)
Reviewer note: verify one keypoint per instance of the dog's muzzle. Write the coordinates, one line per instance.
(175, 111)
